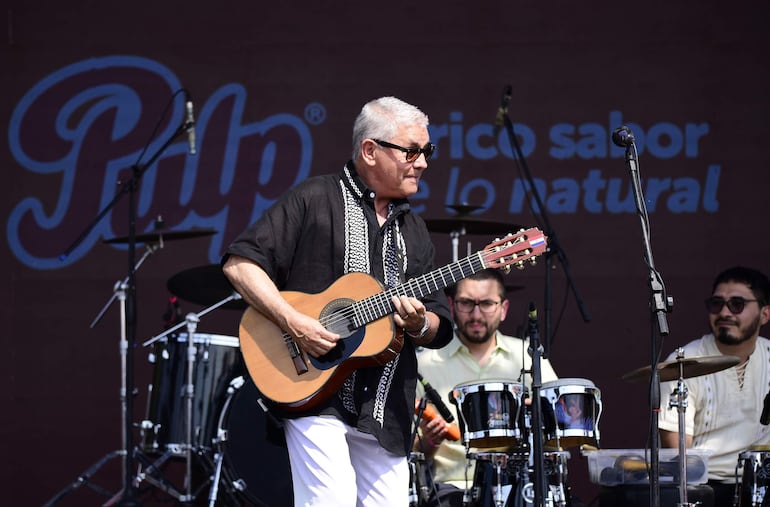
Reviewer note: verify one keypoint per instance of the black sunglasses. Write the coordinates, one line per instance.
(735, 304)
(412, 154)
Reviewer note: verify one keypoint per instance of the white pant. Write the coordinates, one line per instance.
(335, 465)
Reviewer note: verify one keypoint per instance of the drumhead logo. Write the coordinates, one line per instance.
(499, 417)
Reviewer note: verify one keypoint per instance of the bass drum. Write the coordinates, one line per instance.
(255, 460)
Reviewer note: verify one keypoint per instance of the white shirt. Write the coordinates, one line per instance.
(721, 416)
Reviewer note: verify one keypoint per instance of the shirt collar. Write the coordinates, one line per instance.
(353, 181)
(456, 345)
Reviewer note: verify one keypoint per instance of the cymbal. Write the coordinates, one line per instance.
(167, 236)
(464, 208)
(204, 285)
(691, 367)
(470, 225)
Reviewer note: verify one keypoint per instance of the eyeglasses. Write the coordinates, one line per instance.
(468, 305)
(412, 154)
(734, 304)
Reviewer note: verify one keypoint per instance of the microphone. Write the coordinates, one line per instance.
(452, 431)
(623, 137)
(434, 398)
(502, 111)
(764, 419)
(532, 320)
(190, 125)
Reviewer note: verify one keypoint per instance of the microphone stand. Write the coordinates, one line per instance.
(536, 350)
(127, 496)
(539, 350)
(553, 248)
(659, 305)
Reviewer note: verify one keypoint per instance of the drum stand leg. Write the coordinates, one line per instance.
(413, 495)
(152, 475)
(499, 498)
(219, 456)
(214, 491)
(85, 479)
(192, 325)
(679, 400)
(126, 494)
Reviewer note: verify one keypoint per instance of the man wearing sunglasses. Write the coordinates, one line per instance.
(724, 408)
(351, 449)
(478, 352)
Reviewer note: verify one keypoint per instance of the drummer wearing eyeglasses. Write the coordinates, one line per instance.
(478, 352)
(724, 408)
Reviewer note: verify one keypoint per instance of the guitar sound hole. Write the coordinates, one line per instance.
(337, 317)
(335, 354)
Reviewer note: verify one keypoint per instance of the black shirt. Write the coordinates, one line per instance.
(300, 243)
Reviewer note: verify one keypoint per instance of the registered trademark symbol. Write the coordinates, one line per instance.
(315, 113)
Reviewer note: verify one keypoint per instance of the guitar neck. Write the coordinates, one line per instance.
(379, 305)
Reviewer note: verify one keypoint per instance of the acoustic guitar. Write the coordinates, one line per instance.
(357, 308)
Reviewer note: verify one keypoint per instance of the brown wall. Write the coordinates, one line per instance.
(85, 83)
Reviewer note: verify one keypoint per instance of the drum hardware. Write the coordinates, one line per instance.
(500, 463)
(753, 488)
(680, 369)
(418, 489)
(127, 289)
(119, 292)
(464, 223)
(161, 236)
(683, 367)
(505, 479)
(186, 448)
(221, 437)
(204, 285)
(414, 491)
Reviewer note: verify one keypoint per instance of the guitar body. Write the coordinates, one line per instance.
(356, 308)
(267, 354)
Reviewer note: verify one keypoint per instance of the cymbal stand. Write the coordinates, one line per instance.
(232, 297)
(455, 235)
(119, 293)
(151, 249)
(679, 400)
(127, 496)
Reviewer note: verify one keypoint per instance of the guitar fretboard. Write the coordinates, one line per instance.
(377, 306)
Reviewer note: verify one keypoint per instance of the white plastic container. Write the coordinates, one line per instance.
(613, 467)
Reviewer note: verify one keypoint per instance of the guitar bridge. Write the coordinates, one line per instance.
(297, 357)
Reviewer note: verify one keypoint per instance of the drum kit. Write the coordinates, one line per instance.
(752, 471)
(203, 408)
(203, 413)
(497, 429)
(752, 477)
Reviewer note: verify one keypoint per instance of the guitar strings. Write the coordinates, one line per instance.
(382, 301)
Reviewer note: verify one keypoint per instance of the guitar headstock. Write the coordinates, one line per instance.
(515, 249)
